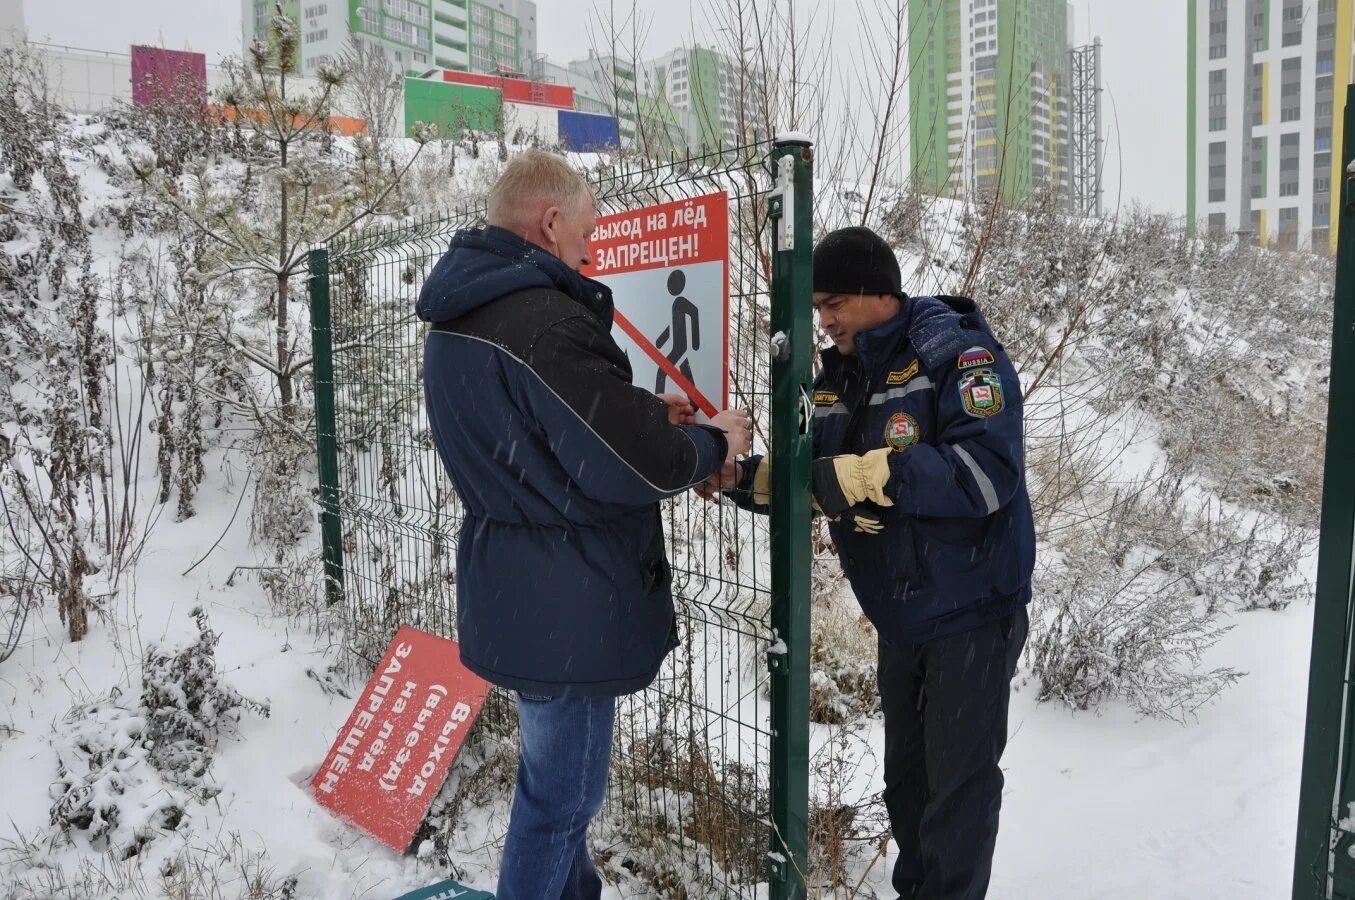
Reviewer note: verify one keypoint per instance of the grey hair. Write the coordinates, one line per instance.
(532, 178)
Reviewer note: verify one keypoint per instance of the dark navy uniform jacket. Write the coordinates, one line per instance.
(559, 462)
(958, 547)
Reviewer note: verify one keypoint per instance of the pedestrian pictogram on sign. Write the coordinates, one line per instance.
(668, 268)
(393, 753)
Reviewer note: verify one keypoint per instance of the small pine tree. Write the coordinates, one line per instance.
(295, 194)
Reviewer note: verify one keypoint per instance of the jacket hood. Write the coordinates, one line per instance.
(483, 264)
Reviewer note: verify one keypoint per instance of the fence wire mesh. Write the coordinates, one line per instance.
(689, 786)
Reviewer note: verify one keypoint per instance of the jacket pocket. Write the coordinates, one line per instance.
(951, 550)
(656, 573)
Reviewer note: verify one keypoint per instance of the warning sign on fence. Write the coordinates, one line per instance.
(396, 748)
(668, 268)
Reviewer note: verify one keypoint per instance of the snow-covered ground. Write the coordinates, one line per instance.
(1099, 805)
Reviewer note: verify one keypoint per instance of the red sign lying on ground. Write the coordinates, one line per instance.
(407, 726)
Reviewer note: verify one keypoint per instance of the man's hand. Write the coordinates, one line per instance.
(681, 411)
(841, 482)
(724, 478)
(737, 424)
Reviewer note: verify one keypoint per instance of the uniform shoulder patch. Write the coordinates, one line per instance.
(824, 398)
(974, 357)
(981, 393)
(902, 376)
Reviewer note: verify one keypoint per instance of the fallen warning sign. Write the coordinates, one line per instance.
(446, 890)
(393, 753)
(668, 268)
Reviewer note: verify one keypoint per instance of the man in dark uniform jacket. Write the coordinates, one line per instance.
(919, 466)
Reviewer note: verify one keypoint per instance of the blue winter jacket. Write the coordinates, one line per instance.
(958, 547)
(562, 582)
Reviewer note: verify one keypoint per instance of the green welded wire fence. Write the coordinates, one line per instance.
(690, 782)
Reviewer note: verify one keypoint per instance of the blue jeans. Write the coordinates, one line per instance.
(564, 753)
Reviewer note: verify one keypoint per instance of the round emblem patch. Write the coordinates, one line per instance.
(902, 431)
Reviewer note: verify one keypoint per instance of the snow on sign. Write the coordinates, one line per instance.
(668, 268)
(390, 759)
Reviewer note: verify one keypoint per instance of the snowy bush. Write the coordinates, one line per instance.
(187, 706)
(125, 772)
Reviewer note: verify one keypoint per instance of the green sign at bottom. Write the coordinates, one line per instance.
(446, 890)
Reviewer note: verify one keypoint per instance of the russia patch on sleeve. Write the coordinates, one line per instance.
(975, 357)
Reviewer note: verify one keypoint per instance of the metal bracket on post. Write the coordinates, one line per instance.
(780, 347)
(776, 654)
(781, 204)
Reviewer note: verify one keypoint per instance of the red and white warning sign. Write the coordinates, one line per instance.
(393, 753)
(668, 268)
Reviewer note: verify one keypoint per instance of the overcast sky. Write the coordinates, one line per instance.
(1144, 61)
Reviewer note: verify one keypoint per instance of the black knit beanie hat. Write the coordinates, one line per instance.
(856, 260)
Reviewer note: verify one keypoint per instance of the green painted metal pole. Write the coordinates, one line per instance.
(1329, 669)
(792, 345)
(326, 427)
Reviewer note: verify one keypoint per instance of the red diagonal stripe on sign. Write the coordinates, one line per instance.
(672, 371)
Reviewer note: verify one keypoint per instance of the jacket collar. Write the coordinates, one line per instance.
(875, 347)
(483, 264)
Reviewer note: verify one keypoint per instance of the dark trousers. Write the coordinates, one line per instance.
(945, 711)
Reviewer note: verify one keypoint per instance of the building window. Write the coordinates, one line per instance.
(405, 33)
(313, 37)
(1291, 23)
(407, 10)
(1291, 89)
(315, 12)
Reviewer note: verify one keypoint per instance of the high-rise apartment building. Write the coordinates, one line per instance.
(702, 87)
(463, 35)
(605, 84)
(1266, 82)
(989, 89)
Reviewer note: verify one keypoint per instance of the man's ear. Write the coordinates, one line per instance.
(550, 221)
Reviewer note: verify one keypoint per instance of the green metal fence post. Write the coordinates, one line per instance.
(792, 346)
(1329, 704)
(326, 429)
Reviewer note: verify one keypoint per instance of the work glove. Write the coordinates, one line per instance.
(847, 484)
(864, 520)
(757, 485)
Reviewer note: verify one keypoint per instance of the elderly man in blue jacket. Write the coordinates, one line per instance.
(919, 467)
(563, 588)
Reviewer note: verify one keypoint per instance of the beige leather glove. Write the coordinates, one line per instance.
(841, 482)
